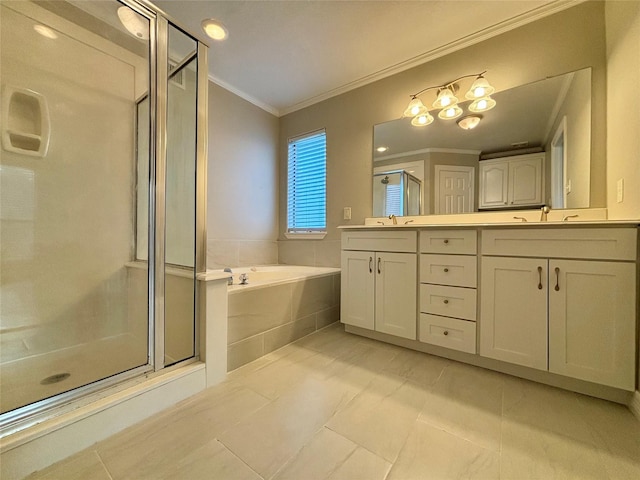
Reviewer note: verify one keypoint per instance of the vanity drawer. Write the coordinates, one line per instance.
(588, 243)
(449, 241)
(455, 302)
(380, 241)
(454, 270)
(448, 332)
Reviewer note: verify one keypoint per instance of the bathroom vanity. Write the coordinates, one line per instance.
(554, 302)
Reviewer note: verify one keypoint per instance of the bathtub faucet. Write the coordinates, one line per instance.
(230, 281)
(244, 279)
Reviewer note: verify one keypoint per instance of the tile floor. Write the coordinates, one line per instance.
(337, 406)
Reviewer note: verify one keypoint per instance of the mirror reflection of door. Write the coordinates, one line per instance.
(454, 189)
(560, 187)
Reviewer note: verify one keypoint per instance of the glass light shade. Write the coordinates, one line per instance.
(469, 122)
(415, 108)
(482, 104)
(479, 88)
(422, 120)
(214, 29)
(135, 24)
(450, 113)
(445, 98)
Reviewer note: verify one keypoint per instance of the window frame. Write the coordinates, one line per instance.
(311, 234)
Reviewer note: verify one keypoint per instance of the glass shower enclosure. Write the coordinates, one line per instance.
(103, 131)
(396, 192)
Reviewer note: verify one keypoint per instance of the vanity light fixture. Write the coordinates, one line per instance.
(450, 113)
(469, 122)
(482, 104)
(447, 101)
(422, 120)
(446, 97)
(215, 29)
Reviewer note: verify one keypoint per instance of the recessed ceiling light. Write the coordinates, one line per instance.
(215, 29)
(134, 23)
(382, 149)
(45, 31)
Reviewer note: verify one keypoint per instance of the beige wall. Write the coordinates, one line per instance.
(623, 141)
(242, 172)
(567, 41)
(623, 101)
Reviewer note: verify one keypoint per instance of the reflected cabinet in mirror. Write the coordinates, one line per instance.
(533, 148)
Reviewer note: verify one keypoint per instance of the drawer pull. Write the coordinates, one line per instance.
(446, 241)
(446, 270)
(446, 332)
(446, 301)
(557, 287)
(539, 278)
(370, 264)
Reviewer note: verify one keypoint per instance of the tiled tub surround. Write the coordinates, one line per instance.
(279, 305)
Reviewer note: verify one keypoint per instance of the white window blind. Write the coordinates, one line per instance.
(307, 184)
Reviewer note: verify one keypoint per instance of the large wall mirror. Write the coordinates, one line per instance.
(549, 120)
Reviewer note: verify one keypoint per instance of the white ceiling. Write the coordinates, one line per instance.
(285, 55)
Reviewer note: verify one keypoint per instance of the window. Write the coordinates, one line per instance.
(307, 184)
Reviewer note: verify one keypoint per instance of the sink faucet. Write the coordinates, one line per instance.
(545, 211)
(393, 219)
(230, 281)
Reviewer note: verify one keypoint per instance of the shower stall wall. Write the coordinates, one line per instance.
(103, 144)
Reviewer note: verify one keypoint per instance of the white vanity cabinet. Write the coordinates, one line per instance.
(378, 281)
(512, 181)
(562, 300)
(448, 281)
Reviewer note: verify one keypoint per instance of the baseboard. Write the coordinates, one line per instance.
(634, 405)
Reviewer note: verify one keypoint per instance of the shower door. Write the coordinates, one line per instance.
(97, 198)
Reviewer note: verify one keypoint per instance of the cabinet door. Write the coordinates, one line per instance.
(494, 184)
(513, 310)
(592, 321)
(357, 289)
(525, 181)
(396, 286)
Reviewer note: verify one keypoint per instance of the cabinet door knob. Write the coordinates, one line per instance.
(446, 332)
(446, 301)
(446, 270)
(446, 241)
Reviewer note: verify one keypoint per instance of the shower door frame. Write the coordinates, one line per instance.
(36, 412)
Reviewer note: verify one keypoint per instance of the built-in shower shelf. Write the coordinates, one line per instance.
(25, 122)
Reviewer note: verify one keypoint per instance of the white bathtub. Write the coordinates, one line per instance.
(279, 305)
(268, 275)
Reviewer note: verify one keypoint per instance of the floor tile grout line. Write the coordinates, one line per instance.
(217, 439)
(103, 464)
(361, 446)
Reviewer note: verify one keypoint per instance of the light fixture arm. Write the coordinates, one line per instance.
(447, 85)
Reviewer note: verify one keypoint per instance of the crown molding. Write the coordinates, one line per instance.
(485, 34)
(245, 96)
(481, 35)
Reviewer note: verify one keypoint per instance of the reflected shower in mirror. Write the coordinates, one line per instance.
(551, 116)
(396, 193)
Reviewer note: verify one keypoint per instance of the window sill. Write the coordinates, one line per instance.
(305, 236)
